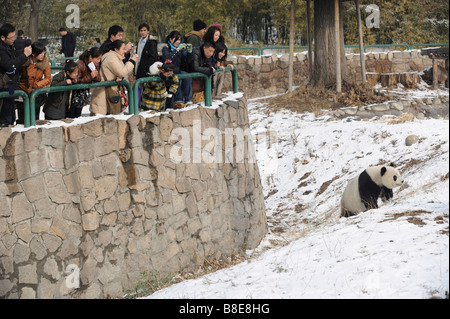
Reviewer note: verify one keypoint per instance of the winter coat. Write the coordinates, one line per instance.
(154, 93)
(20, 44)
(84, 72)
(35, 75)
(178, 58)
(68, 44)
(104, 49)
(194, 37)
(149, 56)
(111, 68)
(9, 58)
(200, 63)
(57, 103)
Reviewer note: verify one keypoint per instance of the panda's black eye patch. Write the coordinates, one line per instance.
(395, 177)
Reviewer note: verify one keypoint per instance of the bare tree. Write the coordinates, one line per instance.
(34, 19)
(324, 72)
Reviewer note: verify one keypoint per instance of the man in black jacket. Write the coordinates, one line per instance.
(147, 51)
(201, 61)
(10, 61)
(115, 32)
(69, 42)
(21, 42)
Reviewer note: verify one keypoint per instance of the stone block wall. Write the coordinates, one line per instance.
(266, 75)
(85, 209)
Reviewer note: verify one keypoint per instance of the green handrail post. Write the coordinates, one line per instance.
(234, 74)
(54, 89)
(208, 90)
(235, 79)
(26, 103)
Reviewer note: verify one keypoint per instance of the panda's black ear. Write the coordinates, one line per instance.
(392, 164)
(383, 170)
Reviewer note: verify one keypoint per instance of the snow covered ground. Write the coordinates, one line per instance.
(400, 250)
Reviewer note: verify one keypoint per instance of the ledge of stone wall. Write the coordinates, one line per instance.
(85, 209)
(268, 74)
(437, 107)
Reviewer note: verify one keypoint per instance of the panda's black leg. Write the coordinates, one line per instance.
(386, 193)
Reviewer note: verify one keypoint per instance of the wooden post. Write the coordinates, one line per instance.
(435, 73)
(308, 24)
(291, 47)
(361, 44)
(338, 48)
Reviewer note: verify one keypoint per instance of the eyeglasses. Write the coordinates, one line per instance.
(11, 37)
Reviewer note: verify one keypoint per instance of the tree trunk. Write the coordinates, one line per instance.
(34, 19)
(291, 47)
(324, 72)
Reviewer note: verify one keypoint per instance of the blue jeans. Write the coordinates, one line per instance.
(184, 92)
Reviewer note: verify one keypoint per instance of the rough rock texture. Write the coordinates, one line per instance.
(85, 209)
(268, 74)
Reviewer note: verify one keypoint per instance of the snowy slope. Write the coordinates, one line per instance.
(400, 250)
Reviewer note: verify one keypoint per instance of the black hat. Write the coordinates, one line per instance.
(199, 25)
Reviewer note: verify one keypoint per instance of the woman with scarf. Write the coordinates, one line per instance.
(179, 55)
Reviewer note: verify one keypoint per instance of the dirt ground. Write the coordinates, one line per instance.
(310, 99)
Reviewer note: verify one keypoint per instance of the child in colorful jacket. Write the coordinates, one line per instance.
(158, 95)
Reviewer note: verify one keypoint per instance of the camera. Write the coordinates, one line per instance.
(185, 47)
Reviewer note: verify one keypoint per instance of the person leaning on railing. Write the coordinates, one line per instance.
(201, 62)
(10, 61)
(112, 69)
(88, 66)
(57, 103)
(36, 73)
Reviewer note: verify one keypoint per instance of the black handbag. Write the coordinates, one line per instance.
(113, 101)
(80, 98)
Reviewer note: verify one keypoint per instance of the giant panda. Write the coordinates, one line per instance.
(363, 191)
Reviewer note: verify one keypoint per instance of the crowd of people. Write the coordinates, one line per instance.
(25, 66)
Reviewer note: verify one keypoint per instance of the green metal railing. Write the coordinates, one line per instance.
(429, 45)
(234, 74)
(404, 45)
(26, 101)
(282, 48)
(55, 67)
(246, 49)
(54, 89)
(30, 102)
(386, 46)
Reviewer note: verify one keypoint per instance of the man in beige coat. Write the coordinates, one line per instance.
(112, 69)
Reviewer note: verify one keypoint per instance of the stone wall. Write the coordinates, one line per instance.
(106, 200)
(268, 74)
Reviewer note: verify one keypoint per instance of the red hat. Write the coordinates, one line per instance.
(216, 24)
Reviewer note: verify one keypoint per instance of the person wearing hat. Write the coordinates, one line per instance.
(195, 37)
